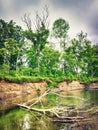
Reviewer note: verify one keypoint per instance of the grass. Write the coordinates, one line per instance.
(21, 79)
(52, 81)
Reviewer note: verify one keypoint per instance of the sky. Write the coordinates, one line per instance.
(80, 14)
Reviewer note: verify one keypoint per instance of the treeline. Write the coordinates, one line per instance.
(30, 52)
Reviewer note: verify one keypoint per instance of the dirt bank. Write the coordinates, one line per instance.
(74, 85)
(14, 93)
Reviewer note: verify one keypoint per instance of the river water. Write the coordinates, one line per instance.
(21, 119)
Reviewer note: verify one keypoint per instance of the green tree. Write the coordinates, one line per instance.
(60, 29)
(92, 60)
(79, 56)
(39, 40)
(10, 34)
(38, 36)
(11, 53)
(49, 62)
(95, 63)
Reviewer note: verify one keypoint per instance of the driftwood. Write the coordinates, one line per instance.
(38, 99)
(55, 112)
(59, 113)
(75, 97)
(72, 120)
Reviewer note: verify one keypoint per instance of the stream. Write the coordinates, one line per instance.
(21, 119)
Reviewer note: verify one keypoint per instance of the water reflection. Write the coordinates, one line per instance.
(24, 120)
(20, 119)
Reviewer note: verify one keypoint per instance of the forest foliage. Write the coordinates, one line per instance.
(30, 54)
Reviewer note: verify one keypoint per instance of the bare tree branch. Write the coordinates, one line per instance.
(40, 19)
(26, 19)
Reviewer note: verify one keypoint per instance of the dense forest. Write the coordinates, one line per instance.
(29, 53)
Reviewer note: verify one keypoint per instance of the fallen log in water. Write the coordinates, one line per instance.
(55, 110)
(72, 120)
(60, 113)
(56, 114)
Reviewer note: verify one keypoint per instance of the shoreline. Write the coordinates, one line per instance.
(14, 93)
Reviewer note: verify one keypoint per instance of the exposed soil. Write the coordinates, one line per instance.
(14, 93)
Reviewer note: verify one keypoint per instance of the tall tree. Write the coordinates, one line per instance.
(60, 30)
(92, 60)
(10, 34)
(79, 56)
(38, 37)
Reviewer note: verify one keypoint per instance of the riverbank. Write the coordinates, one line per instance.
(14, 93)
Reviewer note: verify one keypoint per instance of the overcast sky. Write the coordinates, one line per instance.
(81, 14)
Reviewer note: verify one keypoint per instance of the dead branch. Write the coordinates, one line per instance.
(60, 112)
(39, 98)
(36, 100)
(72, 120)
(51, 110)
(55, 111)
(26, 19)
(68, 96)
(42, 19)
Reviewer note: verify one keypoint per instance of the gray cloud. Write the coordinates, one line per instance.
(94, 24)
(80, 8)
(16, 6)
(82, 5)
(69, 2)
(2, 10)
(81, 14)
(23, 4)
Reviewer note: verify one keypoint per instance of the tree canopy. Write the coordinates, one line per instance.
(11, 42)
(29, 52)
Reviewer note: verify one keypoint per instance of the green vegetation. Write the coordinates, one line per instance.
(29, 56)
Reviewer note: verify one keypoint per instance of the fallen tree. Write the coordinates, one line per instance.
(60, 113)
